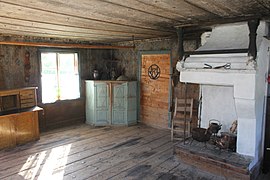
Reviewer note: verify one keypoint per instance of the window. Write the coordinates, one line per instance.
(59, 76)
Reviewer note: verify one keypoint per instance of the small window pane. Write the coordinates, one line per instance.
(49, 77)
(68, 76)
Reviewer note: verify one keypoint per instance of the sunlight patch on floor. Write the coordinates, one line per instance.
(33, 164)
(55, 164)
(46, 164)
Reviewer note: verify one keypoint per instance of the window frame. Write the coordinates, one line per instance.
(50, 50)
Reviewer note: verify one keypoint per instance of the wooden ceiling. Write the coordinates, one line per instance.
(106, 21)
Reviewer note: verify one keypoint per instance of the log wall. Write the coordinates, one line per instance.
(12, 75)
(12, 72)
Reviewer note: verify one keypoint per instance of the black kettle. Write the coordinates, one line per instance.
(214, 126)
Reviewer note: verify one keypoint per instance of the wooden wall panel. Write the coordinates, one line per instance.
(63, 113)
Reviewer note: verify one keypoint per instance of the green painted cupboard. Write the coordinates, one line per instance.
(111, 102)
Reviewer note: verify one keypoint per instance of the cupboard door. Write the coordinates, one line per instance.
(89, 102)
(24, 128)
(119, 104)
(102, 107)
(35, 130)
(7, 132)
(132, 103)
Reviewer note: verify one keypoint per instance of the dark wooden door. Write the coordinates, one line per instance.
(266, 160)
(155, 93)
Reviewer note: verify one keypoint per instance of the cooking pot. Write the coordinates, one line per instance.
(201, 134)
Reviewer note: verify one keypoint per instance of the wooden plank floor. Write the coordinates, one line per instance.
(85, 152)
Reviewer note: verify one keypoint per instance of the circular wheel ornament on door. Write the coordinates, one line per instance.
(154, 71)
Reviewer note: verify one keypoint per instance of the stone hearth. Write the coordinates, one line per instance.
(210, 158)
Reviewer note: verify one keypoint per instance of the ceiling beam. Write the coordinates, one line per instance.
(10, 31)
(79, 46)
(215, 21)
(53, 31)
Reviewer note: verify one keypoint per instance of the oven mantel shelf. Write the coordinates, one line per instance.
(233, 71)
(243, 81)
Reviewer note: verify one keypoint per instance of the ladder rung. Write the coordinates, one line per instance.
(179, 130)
(181, 119)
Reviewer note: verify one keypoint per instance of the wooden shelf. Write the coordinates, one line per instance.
(13, 99)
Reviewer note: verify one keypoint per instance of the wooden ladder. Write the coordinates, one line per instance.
(181, 121)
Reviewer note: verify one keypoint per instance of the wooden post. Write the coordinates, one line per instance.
(180, 34)
(253, 26)
(185, 114)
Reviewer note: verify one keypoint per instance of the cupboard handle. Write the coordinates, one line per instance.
(110, 99)
(108, 87)
(111, 94)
